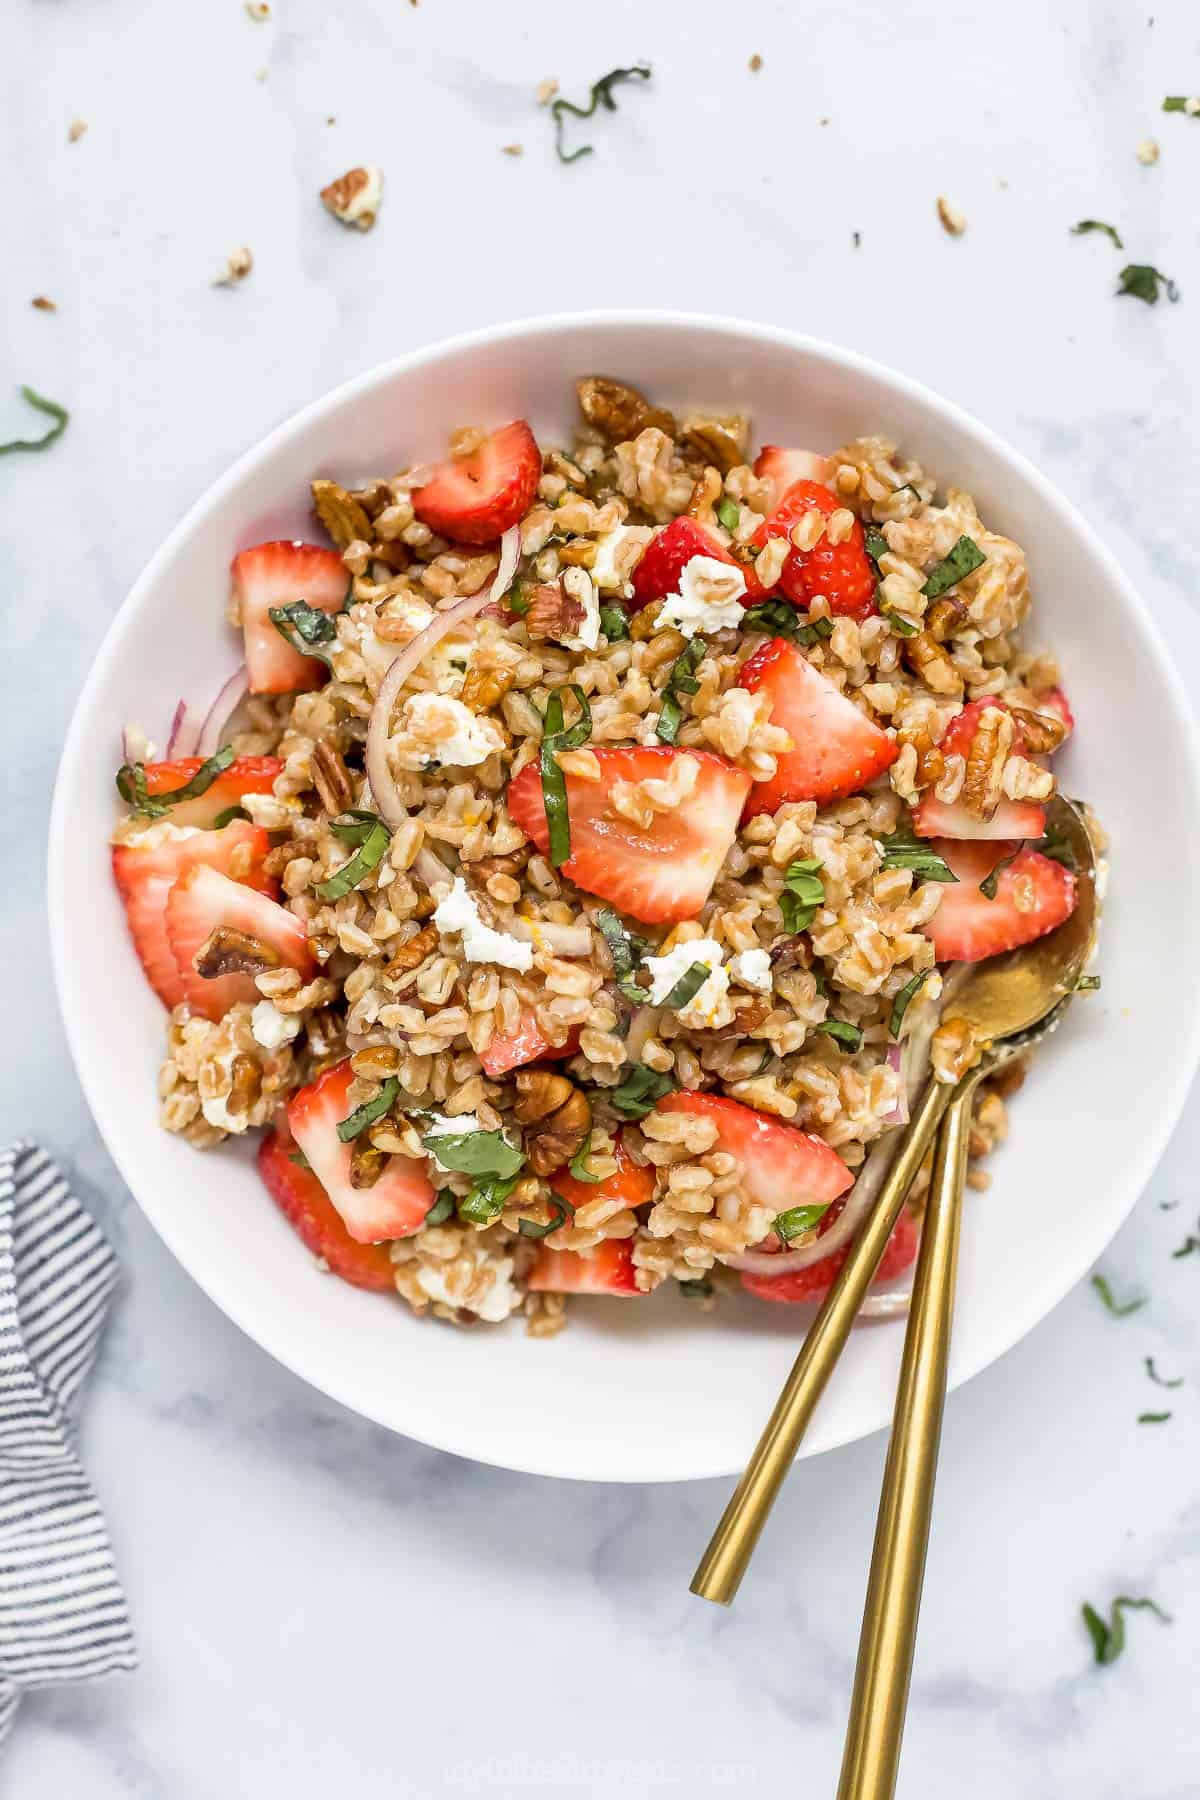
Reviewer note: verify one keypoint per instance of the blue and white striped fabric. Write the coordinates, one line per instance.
(63, 1615)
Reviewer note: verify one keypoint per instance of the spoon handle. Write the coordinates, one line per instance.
(885, 1650)
(720, 1570)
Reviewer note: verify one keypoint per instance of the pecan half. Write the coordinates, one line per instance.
(539, 1093)
(554, 1136)
(552, 613)
(619, 411)
(926, 658)
(229, 952)
(1042, 732)
(331, 777)
(944, 618)
(366, 1163)
(343, 517)
(749, 1015)
(512, 864)
(931, 764)
(982, 788)
(411, 955)
(713, 442)
(245, 1085)
(485, 687)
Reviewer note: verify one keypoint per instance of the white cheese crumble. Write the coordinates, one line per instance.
(753, 969)
(438, 728)
(578, 586)
(441, 1126)
(707, 599)
(501, 1298)
(710, 1005)
(457, 911)
(605, 571)
(214, 1110)
(272, 1028)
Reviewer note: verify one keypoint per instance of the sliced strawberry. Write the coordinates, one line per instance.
(395, 1206)
(836, 750)
(843, 572)
(783, 467)
(629, 1183)
(952, 818)
(1056, 702)
(203, 899)
(658, 872)
(779, 1165)
(245, 775)
(305, 1204)
(814, 1282)
(668, 554)
(1033, 895)
(146, 868)
(606, 1269)
(278, 574)
(525, 1044)
(475, 498)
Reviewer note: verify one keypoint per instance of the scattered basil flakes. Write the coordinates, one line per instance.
(372, 836)
(903, 849)
(441, 1209)
(475, 1152)
(729, 513)
(696, 1290)
(1143, 281)
(1108, 1640)
(1153, 1418)
(486, 1200)
(369, 1111)
(902, 627)
(1119, 1309)
(578, 1163)
(1189, 1244)
(904, 999)
(298, 1157)
(227, 815)
(554, 782)
(1058, 849)
(52, 409)
(877, 545)
(1098, 225)
(961, 561)
(988, 886)
(848, 1037)
(626, 951)
(796, 1220)
(1181, 103)
(1088, 984)
(1160, 1380)
(564, 1212)
(601, 95)
(803, 892)
(681, 680)
(688, 986)
(131, 784)
(518, 600)
(614, 621)
(782, 620)
(640, 1092)
(305, 628)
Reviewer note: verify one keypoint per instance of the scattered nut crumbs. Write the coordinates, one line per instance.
(75, 130)
(43, 303)
(258, 10)
(952, 220)
(513, 149)
(238, 265)
(1148, 152)
(354, 197)
(546, 91)
(755, 63)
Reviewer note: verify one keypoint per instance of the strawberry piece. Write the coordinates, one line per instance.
(526, 1043)
(814, 1282)
(662, 871)
(630, 1183)
(843, 572)
(783, 467)
(395, 1206)
(146, 868)
(1033, 895)
(277, 574)
(306, 1206)
(475, 498)
(203, 899)
(666, 556)
(952, 818)
(779, 1165)
(245, 775)
(606, 1269)
(836, 750)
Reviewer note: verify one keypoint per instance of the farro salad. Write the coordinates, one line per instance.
(567, 881)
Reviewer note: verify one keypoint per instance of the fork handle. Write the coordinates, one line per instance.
(885, 1650)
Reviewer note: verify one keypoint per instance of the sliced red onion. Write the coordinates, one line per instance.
(430, 867)
(135, 745)
(642, 1028)
(185, 731)
(899, 1112)
(221, 711)
(387, 796)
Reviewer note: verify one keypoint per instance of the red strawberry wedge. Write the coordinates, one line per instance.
(201, 901)
(656, 872)
(278, 574)
(953, 818)
(526, 1043)
(836, 750)
(843, 572)
(780, 1166)
(396, 1204)
(306, 1206)
(1033, 895)
(608, 1269)
(245, 775)
(475, 498)
(814, 1282)
(146, 868)
(783, 467)
(630, 1183)
(666, 556)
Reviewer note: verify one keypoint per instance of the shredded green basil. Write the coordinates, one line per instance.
(441, 1209)
(1143, 281)
(564, 1211)
(227, 815)
(601, 95)
(782, 620)
(1149, 1418)
(803, 892)
(696, 1290)
(486, 1200)
(876, 544)
(1108, 1640)
(518, 599)
(298, 1157)
(131, 784)
(729, 513)
(305, 628)
(372, 836)
(626, 951)
(1088, 984)
(903, 849)
(475, 1153)
(53, 410)
(902, 627)
(1181, 103)
(848, 1037)
(1161, 1380)
(962, 559)
(796, 1220)
(614, 621)
(904, 999)
(578, 1164)
(554, 783)
(681, 680)
(1109, 231)
(1058, 849)
(688, 986)
(640, 1092)
(1190, 1244)
(989, 885)
(369, 1111)
(1119, 1309)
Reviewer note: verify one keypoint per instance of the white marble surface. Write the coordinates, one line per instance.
(322, 1605)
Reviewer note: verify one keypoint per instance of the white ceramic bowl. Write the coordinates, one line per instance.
(655, 1391)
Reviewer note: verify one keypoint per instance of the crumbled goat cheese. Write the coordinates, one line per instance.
(605, 570)
(214, 1110)
(753, 969)
(710, 1005)
(707, 599)
(501, 1298)
(272, 1028)
(441, 729)
(457, 911)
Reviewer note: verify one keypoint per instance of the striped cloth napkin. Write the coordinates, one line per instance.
(63, 1615)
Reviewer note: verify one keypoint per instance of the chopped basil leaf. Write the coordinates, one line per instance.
(849, 1036)
(1142, 280)
(372, 840)
(614, 621)
(554, 782)
(227, 815)
(1181, 103)
(355, 825)
(564, 1212)
(681, 680)
(1088, 984)
(988, 887)
(298, 1157)
(1058, 849)
(960, 562)
(688, 985)
(782, 620)
(626, 951)
(578, 1163)
(903, 849)
(803, 892)
(53, 410)
(729, 513)
(518, 600)
(305, 628)
(131, 784)
(696, 1290)
(797, 1220)
(486, 1200)
(902, 627)
(640, 1092)
(369, 1111)
(475, 1152)
(601, 95)
(764, 1061)
(1108, 1641)
(1153, 1418)
(1189, 1244)
(441, 1209)
(1098, 225)
(1118, 1309)
(1161, 1380)
(904, 999)
(877, 545)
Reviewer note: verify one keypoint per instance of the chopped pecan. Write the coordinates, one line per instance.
(366, 1163)
(354, 197)
(558, 1116)
(512, 864)
(749, 1015)
(577, 553)
(1042, 732)
(344, 517)
(411, 955)
(331, 777)
(931, 764)
(713, 442)
(539, 1093)
(790, 953)
(485, 687)
(618, 411)
(552, 613)
(982, 788)
(376, 1062)
(245, 1085)
(945, 617)
(644, 622)
(229, 952)
(704, 495)
(926, 658)
(324, 1031)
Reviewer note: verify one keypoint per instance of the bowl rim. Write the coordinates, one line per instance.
(1035, 1301)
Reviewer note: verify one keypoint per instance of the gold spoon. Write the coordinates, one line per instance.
(1000, 998)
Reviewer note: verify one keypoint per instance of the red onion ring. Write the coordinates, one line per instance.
(392, 810)
(185, 732)
(221, 711)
